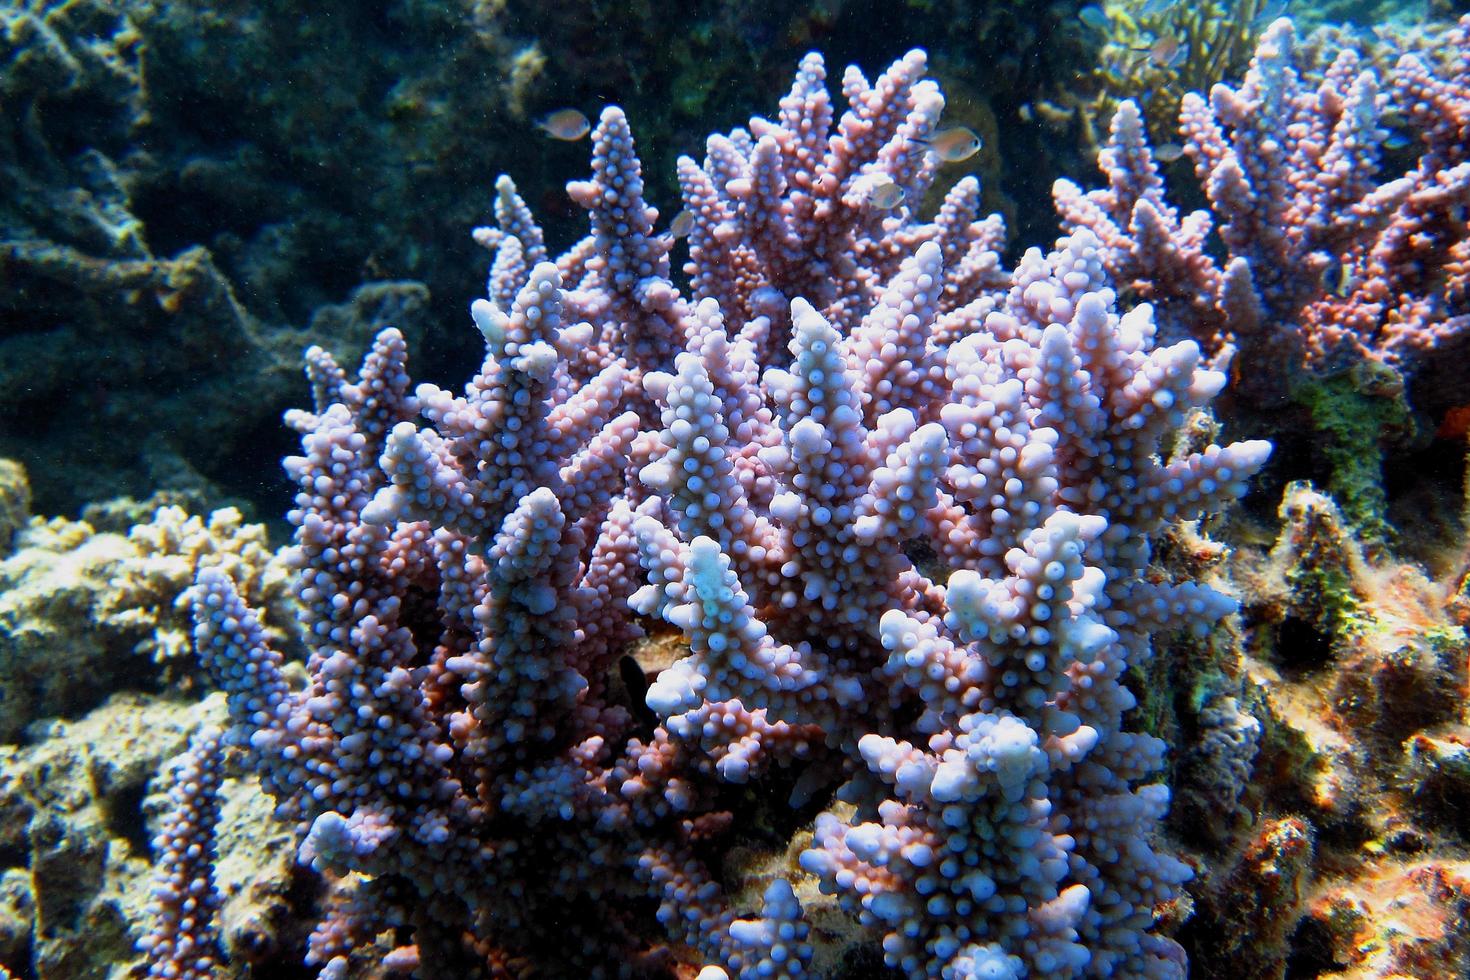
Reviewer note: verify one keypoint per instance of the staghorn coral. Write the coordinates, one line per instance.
(1340, 297)
(1261, 151)
(78, 810)
(456, 764)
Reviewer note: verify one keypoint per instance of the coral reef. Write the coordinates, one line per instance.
(78, 814)
(960, 658)
(86, 612)
(1357, 677)
(1342, 294)
(467, 584)
(198, 192)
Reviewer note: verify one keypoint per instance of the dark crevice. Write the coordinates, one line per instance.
(1311, 951)
(123, 810)
(1301, 648)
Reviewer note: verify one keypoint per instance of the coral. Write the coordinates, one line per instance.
(1328, 260)
(185, 904)
(456, 766)
(84, 613)
(1357, 673)
(76, 816)
(1153, 54)
(1408, 920)
(15, 503)
(839, 492)
(492, 724)
(147, 592)
(1338, 196)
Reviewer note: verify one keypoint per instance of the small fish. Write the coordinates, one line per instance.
(953, 145)
(1093, 17)
(1166, 52)
(1331, 274)
(1396, 140)
(1269, 13)
(1168, 152)
(636, 684)
(1152, 8)
(682, 224)
(887, 196)
(564, 124)
(1338, 278)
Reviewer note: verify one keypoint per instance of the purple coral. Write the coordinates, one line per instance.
(184, 942)
(465, 587)
(898, 501)
(1329, 258)
(1015, 834)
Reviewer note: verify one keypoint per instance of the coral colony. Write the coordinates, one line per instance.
(899, 503)
(1326, 259)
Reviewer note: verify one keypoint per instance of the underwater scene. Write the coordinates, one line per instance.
(961, 489)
